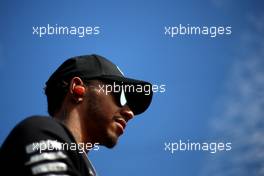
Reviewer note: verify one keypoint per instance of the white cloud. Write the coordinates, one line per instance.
(241, 112)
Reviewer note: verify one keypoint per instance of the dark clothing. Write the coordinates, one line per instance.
(43, 146)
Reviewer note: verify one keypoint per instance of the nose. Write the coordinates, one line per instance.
(127, 113)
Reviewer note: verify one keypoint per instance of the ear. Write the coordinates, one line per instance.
(77, 89)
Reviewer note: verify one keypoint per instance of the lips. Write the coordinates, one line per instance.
(121, 123)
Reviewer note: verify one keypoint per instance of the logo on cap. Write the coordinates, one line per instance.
(120, 70)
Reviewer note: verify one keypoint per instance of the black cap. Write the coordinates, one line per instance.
(97, 67)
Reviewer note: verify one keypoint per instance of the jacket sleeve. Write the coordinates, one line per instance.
(40, 147)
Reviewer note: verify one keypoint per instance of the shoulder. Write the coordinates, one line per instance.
(34, 129)
(39, 127)
(37, 122)
(38, 141)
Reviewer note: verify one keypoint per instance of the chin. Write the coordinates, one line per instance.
(110, 145)
(110, 141)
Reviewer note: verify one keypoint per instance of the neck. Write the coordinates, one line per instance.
(72, 120)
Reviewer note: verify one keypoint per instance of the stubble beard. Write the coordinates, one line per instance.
(104, 135)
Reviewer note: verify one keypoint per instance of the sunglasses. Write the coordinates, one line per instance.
(119, 95)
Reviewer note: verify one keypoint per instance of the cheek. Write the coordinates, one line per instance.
(107, 106)
(104, 125)
(101, 110)
(108, 111)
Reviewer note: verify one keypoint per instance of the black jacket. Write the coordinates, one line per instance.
(43, 146)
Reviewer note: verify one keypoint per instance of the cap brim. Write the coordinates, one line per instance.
(138, 95)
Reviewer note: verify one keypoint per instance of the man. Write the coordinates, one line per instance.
(89, 105)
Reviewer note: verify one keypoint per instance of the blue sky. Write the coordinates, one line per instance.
(211, 83)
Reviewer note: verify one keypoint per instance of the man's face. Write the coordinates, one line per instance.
(105, 119)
